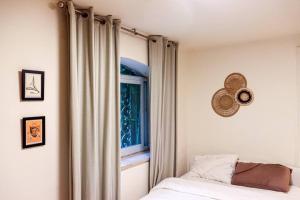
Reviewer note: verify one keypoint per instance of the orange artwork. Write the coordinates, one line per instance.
(34, 131)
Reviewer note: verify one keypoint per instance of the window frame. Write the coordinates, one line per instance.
(139, 80)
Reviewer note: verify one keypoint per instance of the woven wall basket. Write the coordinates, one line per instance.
(244, 96)
(234, 82)
(224, 103)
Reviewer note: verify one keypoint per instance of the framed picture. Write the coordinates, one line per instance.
(33, 131)
(32, 85)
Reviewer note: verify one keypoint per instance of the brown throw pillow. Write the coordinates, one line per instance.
(264, 176)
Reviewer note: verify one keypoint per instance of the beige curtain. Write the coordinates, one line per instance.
(94, 107)
(162, 63)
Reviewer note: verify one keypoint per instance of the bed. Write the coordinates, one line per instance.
(189, 187)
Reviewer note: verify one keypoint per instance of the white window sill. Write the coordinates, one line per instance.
(134, 160)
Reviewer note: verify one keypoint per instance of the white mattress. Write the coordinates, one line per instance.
(192, 188)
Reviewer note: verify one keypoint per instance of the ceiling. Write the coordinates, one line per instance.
(206, 23)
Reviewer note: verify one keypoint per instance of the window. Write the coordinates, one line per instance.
(134, 111)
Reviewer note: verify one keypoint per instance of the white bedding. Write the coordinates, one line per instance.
(189, 188)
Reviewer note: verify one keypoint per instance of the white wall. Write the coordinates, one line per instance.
(134, 48)
(266, 130)
(134, 183)
(181, 142)
(297, 138)
(32, 36)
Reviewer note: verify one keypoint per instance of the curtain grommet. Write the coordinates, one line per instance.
(102, 22)
(85, 15)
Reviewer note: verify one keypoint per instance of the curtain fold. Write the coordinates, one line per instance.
(163, 64)
(94, 107)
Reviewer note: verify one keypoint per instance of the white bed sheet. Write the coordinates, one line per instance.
(191, 188)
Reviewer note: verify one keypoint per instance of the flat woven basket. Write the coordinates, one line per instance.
(234, 82)
(224, 103)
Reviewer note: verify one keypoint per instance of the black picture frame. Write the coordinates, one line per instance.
(24, 131)
(42, 84)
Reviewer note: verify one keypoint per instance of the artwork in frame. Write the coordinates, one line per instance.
(34, 131)
(32, 85)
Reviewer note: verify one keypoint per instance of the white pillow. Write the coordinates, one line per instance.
(296, 176)
(215, 167)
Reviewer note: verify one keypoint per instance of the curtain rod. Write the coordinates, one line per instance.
(62, 4)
